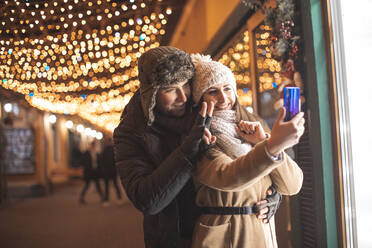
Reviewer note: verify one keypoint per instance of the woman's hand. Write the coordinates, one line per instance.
(285, 134)
(251, 132)
(208, 138)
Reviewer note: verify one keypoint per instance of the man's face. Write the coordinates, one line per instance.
(172, 100)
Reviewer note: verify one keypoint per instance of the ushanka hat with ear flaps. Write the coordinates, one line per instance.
(161, 67)
(209, 73)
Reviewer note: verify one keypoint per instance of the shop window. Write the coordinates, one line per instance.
(237, 58)
(257, 73)
(267, 75)
(19, 155)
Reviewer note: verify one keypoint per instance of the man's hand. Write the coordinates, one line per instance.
(192, 144)
(207, 110)
(268, 207)
(262, 214)
(285, 134)
(251, 132)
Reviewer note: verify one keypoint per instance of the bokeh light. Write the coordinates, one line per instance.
(78, 57)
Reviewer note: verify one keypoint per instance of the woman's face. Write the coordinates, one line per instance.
(222, 95)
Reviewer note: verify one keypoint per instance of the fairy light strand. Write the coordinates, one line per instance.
(78, 57)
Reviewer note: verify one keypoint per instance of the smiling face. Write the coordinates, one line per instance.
(172, 100)
(222, 95)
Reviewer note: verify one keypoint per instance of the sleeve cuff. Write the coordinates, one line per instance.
(273, 158)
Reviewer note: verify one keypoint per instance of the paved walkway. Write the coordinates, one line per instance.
(59, 221)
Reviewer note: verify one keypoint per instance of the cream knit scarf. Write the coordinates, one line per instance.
(228, 140)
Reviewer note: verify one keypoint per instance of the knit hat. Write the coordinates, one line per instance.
(160, 67)
(209, 73)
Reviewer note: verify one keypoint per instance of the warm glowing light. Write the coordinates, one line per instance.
(88, 131)
(267, 67)
(80, 128)
(8, 107)
(99, 135)
(69, 124)
(52, 119)
(66, 58)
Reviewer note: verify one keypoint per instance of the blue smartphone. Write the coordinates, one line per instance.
(292, 102)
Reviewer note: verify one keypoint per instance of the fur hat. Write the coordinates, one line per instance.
(160, 67)
(209, 73)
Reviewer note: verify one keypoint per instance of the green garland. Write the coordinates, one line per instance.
(253, 4)
(284, 40)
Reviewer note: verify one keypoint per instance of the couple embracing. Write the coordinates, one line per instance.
(203, 170)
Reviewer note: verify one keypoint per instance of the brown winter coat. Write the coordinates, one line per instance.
(156, 176)
(222, 181)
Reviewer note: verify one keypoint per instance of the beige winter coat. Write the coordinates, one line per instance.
(223, 181)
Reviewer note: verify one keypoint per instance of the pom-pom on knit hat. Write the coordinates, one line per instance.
(209, 73)
(160, 67)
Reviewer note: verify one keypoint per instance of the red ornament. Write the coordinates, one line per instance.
(289, 69)
(294, 52)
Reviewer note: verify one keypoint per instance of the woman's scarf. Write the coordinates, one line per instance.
(228, 140)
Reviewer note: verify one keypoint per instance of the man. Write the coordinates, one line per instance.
(91, 172)
(153, 158)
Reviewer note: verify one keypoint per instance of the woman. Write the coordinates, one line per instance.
(245, 161)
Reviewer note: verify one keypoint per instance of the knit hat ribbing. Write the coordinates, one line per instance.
(209, 73)
(160, 67)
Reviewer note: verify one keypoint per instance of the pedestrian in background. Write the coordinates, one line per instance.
(89, 160)
(106, 164)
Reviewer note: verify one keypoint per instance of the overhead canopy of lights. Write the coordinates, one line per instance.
(78, 56)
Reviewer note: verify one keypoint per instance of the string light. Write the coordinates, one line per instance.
(69, 124)
(99, 135)
(237, 58)
(268, 69)
(80, 128)
(88, 57)
(52, 119)
(8, 107)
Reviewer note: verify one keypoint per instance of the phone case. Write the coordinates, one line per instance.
(292, 104)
